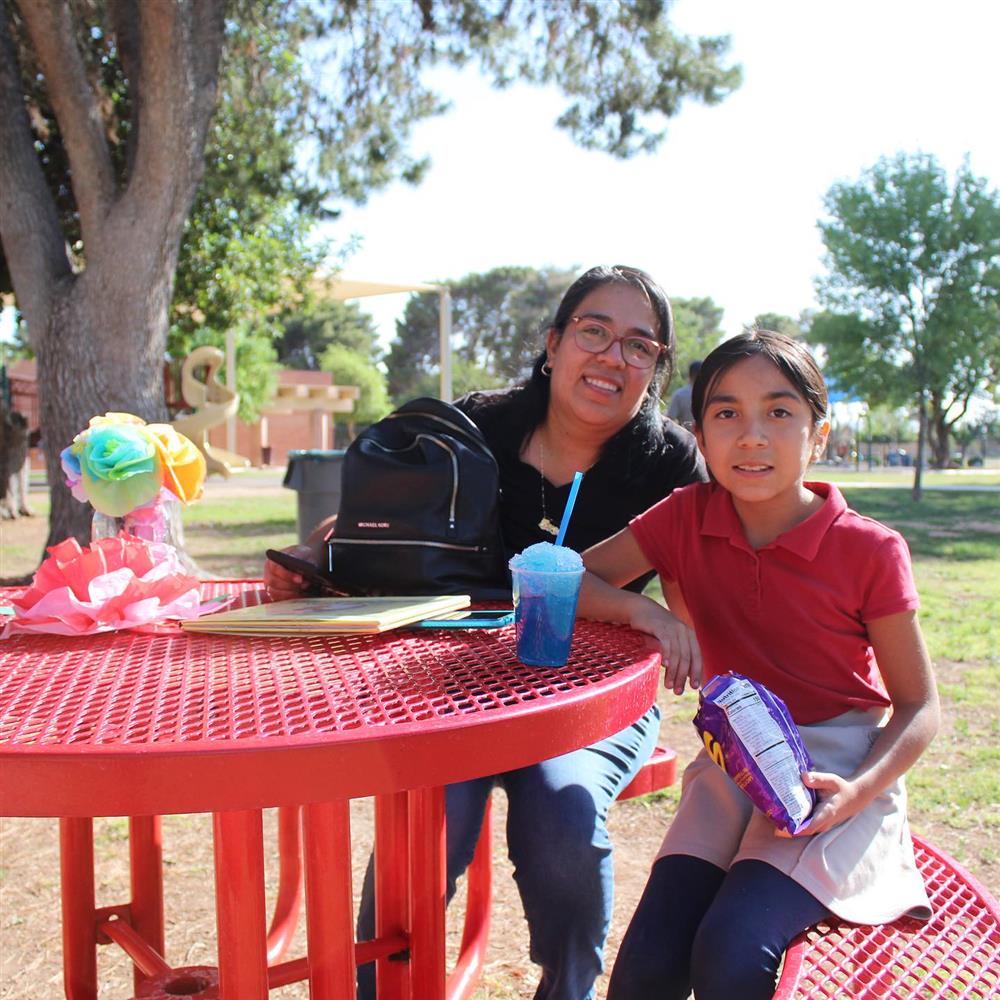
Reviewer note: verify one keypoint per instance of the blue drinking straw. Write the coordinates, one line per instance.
(573, 490)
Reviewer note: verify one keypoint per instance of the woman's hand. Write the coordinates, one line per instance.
(838, 799)
(282, 584)
(677, 641)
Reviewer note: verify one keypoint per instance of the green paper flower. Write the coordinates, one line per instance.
(120, 468)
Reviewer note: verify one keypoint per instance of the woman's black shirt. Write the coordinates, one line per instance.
(623, 482)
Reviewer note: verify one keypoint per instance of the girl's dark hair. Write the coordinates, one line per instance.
(789, 356)
(646, 425)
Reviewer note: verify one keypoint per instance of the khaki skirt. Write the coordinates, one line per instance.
(863, 869)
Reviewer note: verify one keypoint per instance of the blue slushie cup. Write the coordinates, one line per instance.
(546, 580)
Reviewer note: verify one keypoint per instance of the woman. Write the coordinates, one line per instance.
(591, 404)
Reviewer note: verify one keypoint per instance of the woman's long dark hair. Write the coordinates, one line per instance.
(643, 435)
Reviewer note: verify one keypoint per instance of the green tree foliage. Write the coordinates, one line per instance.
(498, 325)
(306, 335)
(105, 111)
(780, 323)
(247, 244)
(697, 326)
(348, 367)
(912, 292)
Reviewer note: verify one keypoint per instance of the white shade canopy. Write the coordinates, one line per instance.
(341, 288)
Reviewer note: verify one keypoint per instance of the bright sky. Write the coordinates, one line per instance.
(728, 206)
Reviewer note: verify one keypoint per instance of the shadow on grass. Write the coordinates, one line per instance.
(959, 526)
(224, 533)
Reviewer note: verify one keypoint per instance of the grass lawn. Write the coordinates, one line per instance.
(954, 537)
(954, 788)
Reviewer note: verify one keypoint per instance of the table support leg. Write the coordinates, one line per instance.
(329, 901)
(145, 842)
(289, 901)
(76, 865)
(392, 897)
(239, 905)
(427, 893)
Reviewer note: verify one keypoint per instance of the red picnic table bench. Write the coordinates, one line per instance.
(953, 956)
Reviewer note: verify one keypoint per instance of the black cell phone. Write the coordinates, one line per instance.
(310, 572)
(469, 619)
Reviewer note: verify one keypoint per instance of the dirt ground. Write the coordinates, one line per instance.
(30, 951)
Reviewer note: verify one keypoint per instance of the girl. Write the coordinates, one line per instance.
(780, 581)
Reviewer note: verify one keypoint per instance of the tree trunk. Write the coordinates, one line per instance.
(940, 439)
(103, 351)
(918, 489)
(99, 332)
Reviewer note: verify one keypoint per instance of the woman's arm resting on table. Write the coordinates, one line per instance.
(610, 565)
(909, 680)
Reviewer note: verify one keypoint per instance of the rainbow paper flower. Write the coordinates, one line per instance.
(120, 463)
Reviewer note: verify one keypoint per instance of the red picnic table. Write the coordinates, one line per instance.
(145, 724)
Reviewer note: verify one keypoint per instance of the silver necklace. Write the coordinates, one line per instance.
(544, 524)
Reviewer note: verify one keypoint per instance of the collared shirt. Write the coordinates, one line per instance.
(792, 614)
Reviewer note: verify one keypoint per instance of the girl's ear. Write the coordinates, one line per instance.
(819, 441)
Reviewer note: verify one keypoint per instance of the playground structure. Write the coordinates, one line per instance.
(212, 403)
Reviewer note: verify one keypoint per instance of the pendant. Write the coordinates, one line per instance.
(546, 525)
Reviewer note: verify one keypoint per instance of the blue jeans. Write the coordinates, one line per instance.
(721, 933)
(558, 841)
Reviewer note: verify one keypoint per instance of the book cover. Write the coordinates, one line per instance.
(327, 615)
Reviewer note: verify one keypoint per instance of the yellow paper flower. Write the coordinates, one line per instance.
(183, 464)
(115, 418)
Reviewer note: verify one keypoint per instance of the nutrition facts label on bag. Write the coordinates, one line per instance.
(757, 730)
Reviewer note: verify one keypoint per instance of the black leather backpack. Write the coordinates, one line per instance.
(419, 508)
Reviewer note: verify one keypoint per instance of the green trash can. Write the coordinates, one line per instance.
(315, 476)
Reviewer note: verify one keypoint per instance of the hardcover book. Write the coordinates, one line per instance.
(327, 615)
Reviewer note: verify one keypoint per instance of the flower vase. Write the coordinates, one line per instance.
(155, 522)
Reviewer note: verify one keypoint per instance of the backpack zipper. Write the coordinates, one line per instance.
(338, 540)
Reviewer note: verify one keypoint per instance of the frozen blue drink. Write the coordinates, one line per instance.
(546, 580)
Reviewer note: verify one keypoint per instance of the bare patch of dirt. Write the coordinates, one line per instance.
(30, 948)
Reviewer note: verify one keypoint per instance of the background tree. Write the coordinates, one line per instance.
(498, 320)
(697, 325)
(349, 367)
(913, 292)
(306, 335)
(973, 434)
(118, 97)
(780, 323)
(249, 243)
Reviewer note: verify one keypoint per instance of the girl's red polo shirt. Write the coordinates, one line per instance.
(792, 614)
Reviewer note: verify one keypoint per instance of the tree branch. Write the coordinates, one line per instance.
(29, 223)
(123, 19)
(76, 108)
(180, 49)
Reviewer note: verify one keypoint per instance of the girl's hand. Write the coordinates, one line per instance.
(677, 642)
(838, 799)
(282, 584)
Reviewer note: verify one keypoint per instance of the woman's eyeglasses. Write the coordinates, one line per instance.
(594, 337)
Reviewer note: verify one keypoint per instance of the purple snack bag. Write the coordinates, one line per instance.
(748, 732)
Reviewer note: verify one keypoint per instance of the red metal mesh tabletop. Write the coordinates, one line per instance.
(148, 720)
